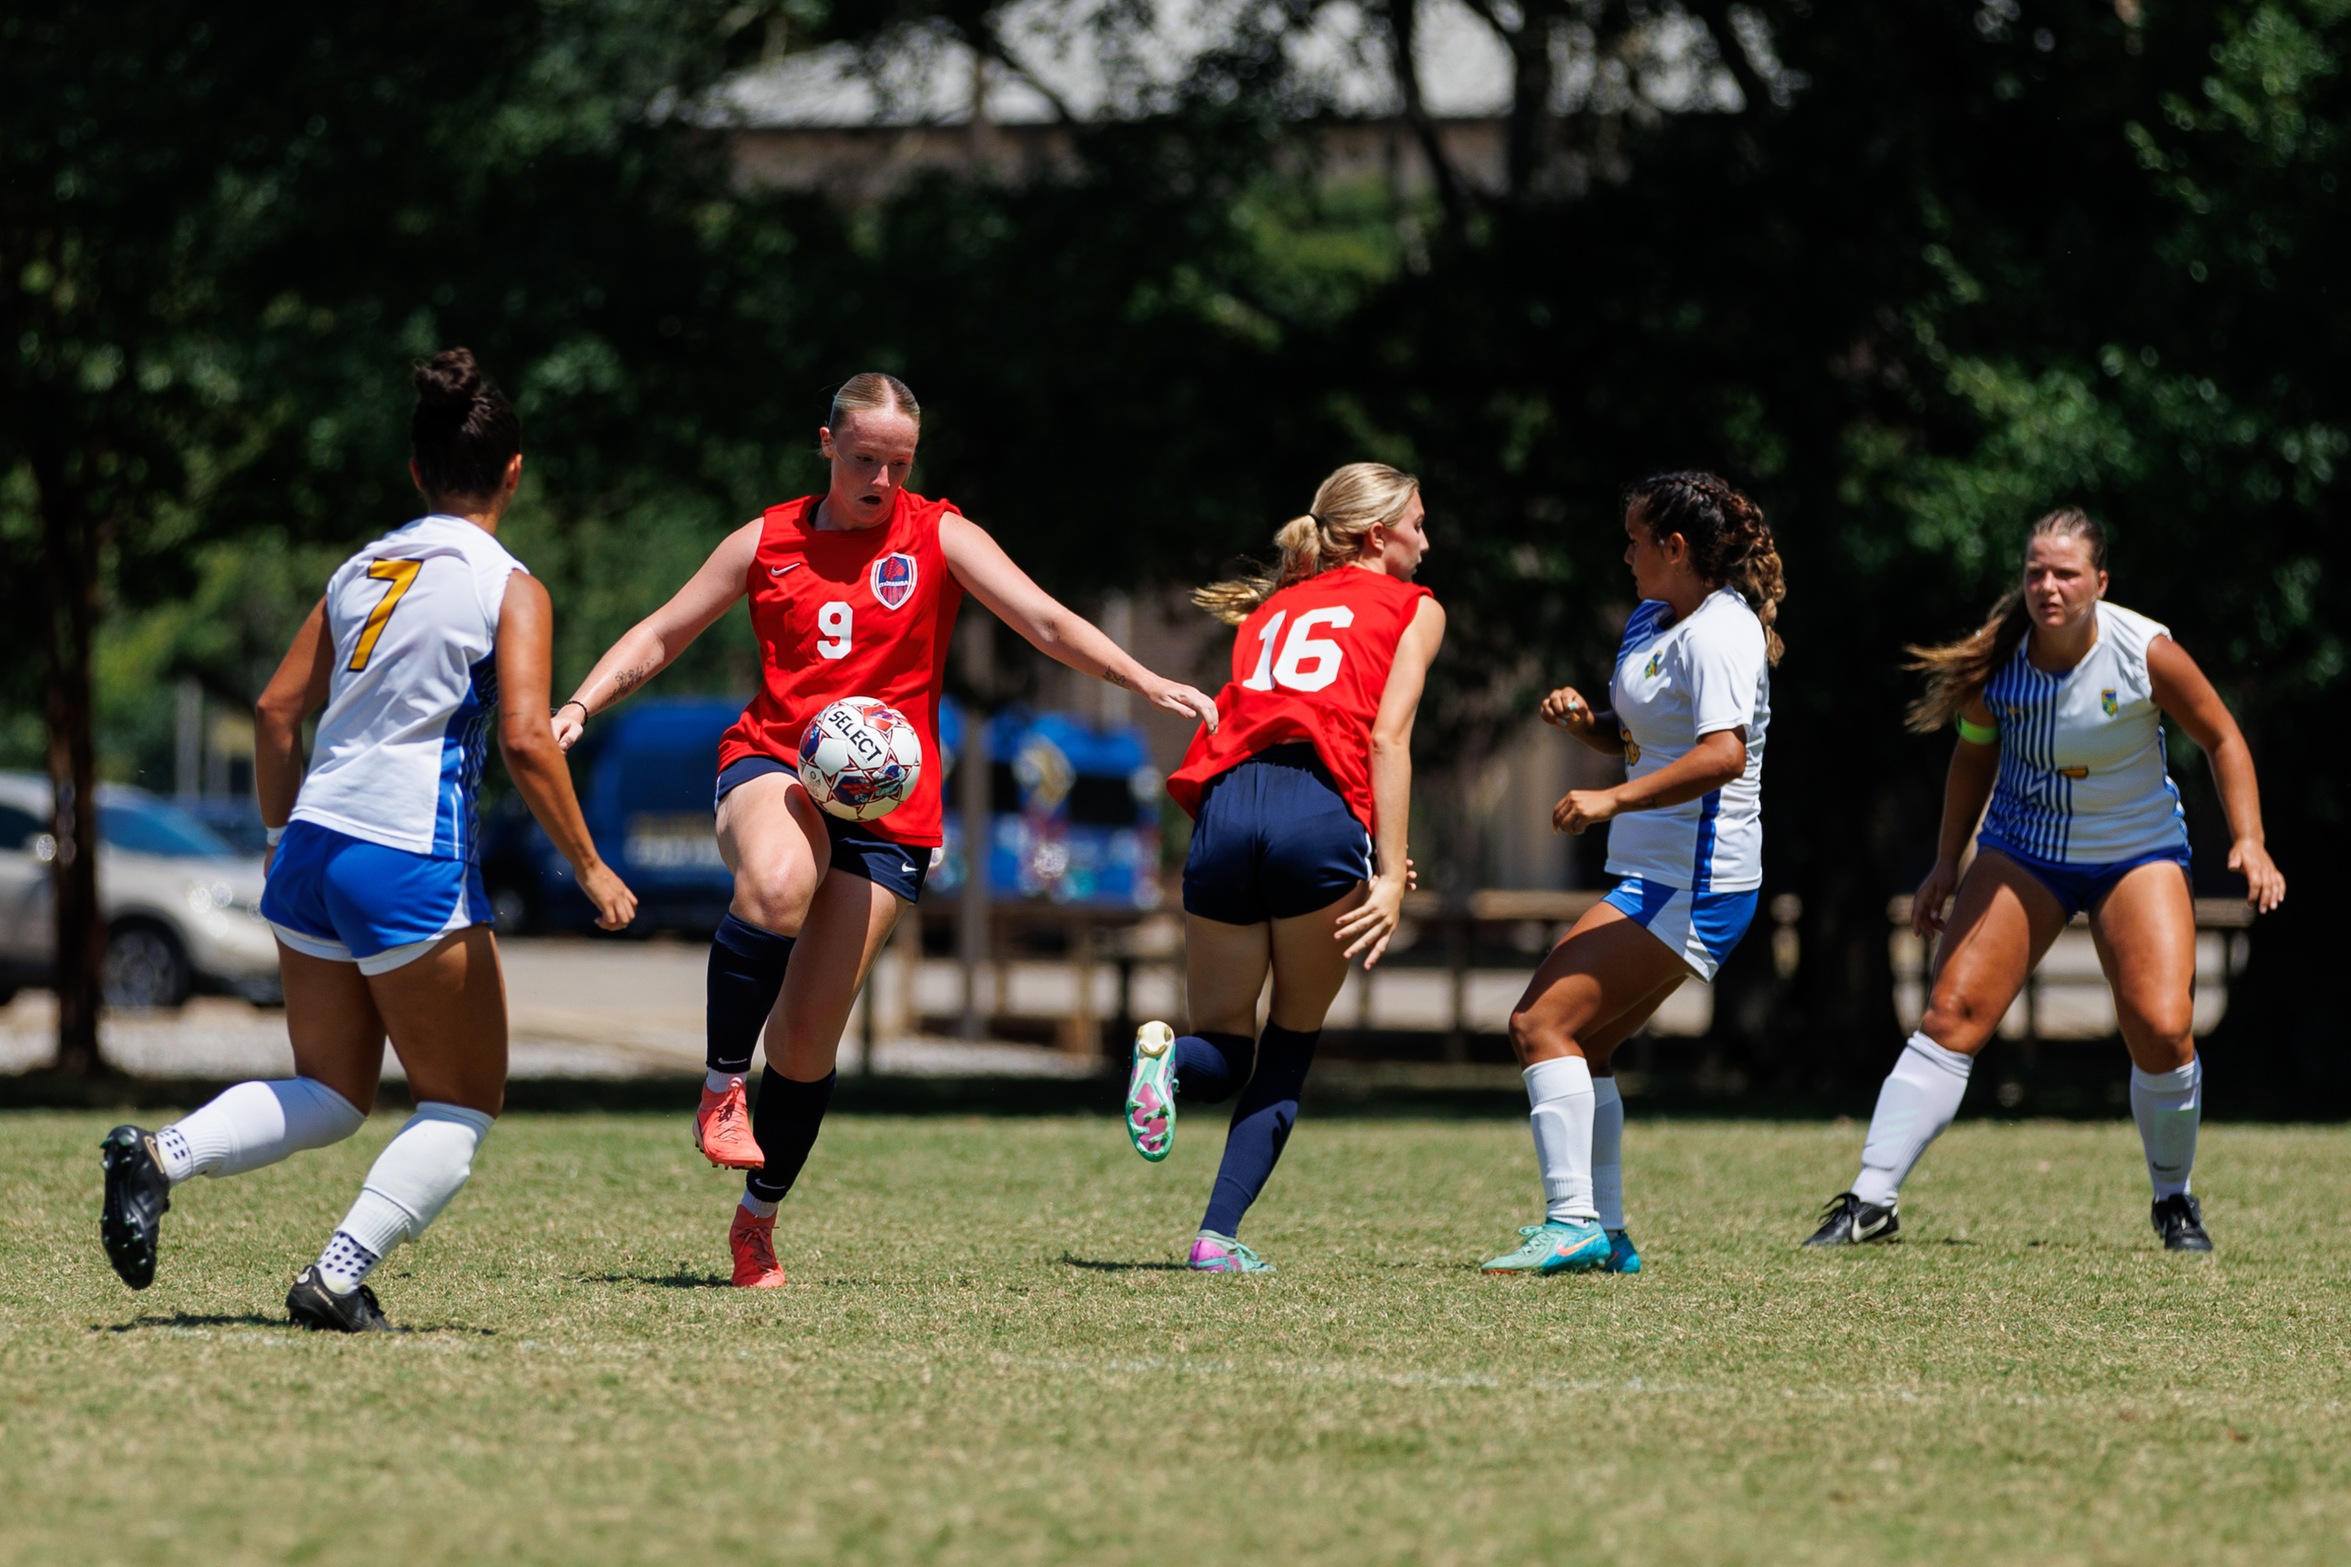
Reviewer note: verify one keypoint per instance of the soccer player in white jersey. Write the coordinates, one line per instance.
(374, 886)
(2060, 699)
(1688, 706)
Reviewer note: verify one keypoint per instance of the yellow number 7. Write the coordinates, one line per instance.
(401, 574)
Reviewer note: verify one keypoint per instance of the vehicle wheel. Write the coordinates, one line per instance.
(145, 968)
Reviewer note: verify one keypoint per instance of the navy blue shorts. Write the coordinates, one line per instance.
(2079, 887)
(857, 848)
(342, 898)
(1274, 840)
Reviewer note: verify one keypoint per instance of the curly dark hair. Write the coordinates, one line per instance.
(1730, 543)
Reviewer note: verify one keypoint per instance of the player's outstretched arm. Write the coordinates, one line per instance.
(1056, 630)
(649, 646)
(2183, 693)
(297, 690)
(526, 653)
(1367, 927)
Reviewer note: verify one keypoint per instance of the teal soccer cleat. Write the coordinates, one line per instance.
(1623, 1256)
(1151, 1106)
(1555, 1246)
(1214, 1253)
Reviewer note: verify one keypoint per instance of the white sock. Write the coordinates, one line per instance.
(1921, 1096)
(254, 1124)
(412, 1180)
(1608, 1152)
(718, 1082)
(345, 1264)
(1561, 1093)
(758, 1208)
(2167, 1106)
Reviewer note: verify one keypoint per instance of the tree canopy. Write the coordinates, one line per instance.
(1912, 273)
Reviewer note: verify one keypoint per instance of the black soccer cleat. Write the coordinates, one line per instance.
(2180, 1221)
(138, 1194)
(1848, 1221)
(312, 1305)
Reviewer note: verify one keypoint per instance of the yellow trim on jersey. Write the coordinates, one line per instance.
(1977, 734)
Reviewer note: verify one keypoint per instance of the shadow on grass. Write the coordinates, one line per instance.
(201, 1323)
(1106, 1265)
(680, 1280)
(190, 1319)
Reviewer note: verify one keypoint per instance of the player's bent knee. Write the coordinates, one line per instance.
(775, 898)
(1957, 1024)
(1533, 1039)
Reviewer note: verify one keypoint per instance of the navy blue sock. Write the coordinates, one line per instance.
(1262, 1118)
(785, 1119)
(1208, 1067)
(746, 974)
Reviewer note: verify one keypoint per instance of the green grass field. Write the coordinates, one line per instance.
(986, 1355)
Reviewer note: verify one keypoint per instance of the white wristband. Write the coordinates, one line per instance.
(272, 834)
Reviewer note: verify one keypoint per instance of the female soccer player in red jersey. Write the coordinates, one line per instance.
(853, 593)
(1310, 772)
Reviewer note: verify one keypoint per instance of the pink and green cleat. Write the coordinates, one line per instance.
(1214, 1253)
(1151, 1108)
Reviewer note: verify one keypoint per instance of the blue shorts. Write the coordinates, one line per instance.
(334, 896)
(857, 848)
(2079, 887)
(1273, 841)
(1702, 927)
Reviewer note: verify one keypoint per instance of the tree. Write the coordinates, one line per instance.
(220, 236)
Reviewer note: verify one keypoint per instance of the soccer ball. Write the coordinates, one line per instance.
(860, 758)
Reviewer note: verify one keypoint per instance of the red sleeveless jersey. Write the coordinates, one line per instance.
(851, 612)
(1310, 663)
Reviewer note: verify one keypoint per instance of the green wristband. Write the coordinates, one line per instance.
(1977, 734)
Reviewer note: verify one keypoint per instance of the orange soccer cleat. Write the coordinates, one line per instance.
(753, 1241)
(722, 1130)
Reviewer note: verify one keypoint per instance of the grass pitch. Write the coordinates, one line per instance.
(987, 1355)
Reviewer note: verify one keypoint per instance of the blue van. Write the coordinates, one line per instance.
(1074, 812)
(1074, 807)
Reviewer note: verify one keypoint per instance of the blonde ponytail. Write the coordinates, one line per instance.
(1347, 506)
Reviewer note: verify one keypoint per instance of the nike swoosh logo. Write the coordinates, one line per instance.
(906, 870)
(777, 571)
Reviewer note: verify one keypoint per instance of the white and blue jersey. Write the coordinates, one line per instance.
(400, 748)
(2082, 780)
(1675, 685)
(379, 859)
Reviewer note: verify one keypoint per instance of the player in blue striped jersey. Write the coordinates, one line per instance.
(2060, 700)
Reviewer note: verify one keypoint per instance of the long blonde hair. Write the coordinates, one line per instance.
(1347, 506)
(1956, 671)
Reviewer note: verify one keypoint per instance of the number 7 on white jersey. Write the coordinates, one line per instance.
(1306, 662)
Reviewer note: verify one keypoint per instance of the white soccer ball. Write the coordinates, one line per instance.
(860, 758)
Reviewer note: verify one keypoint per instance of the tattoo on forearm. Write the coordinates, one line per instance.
(629, 679)
(1117, 679)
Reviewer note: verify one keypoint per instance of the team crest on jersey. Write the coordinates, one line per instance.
(1656, 662)
(892, 579)
(2106, 701)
